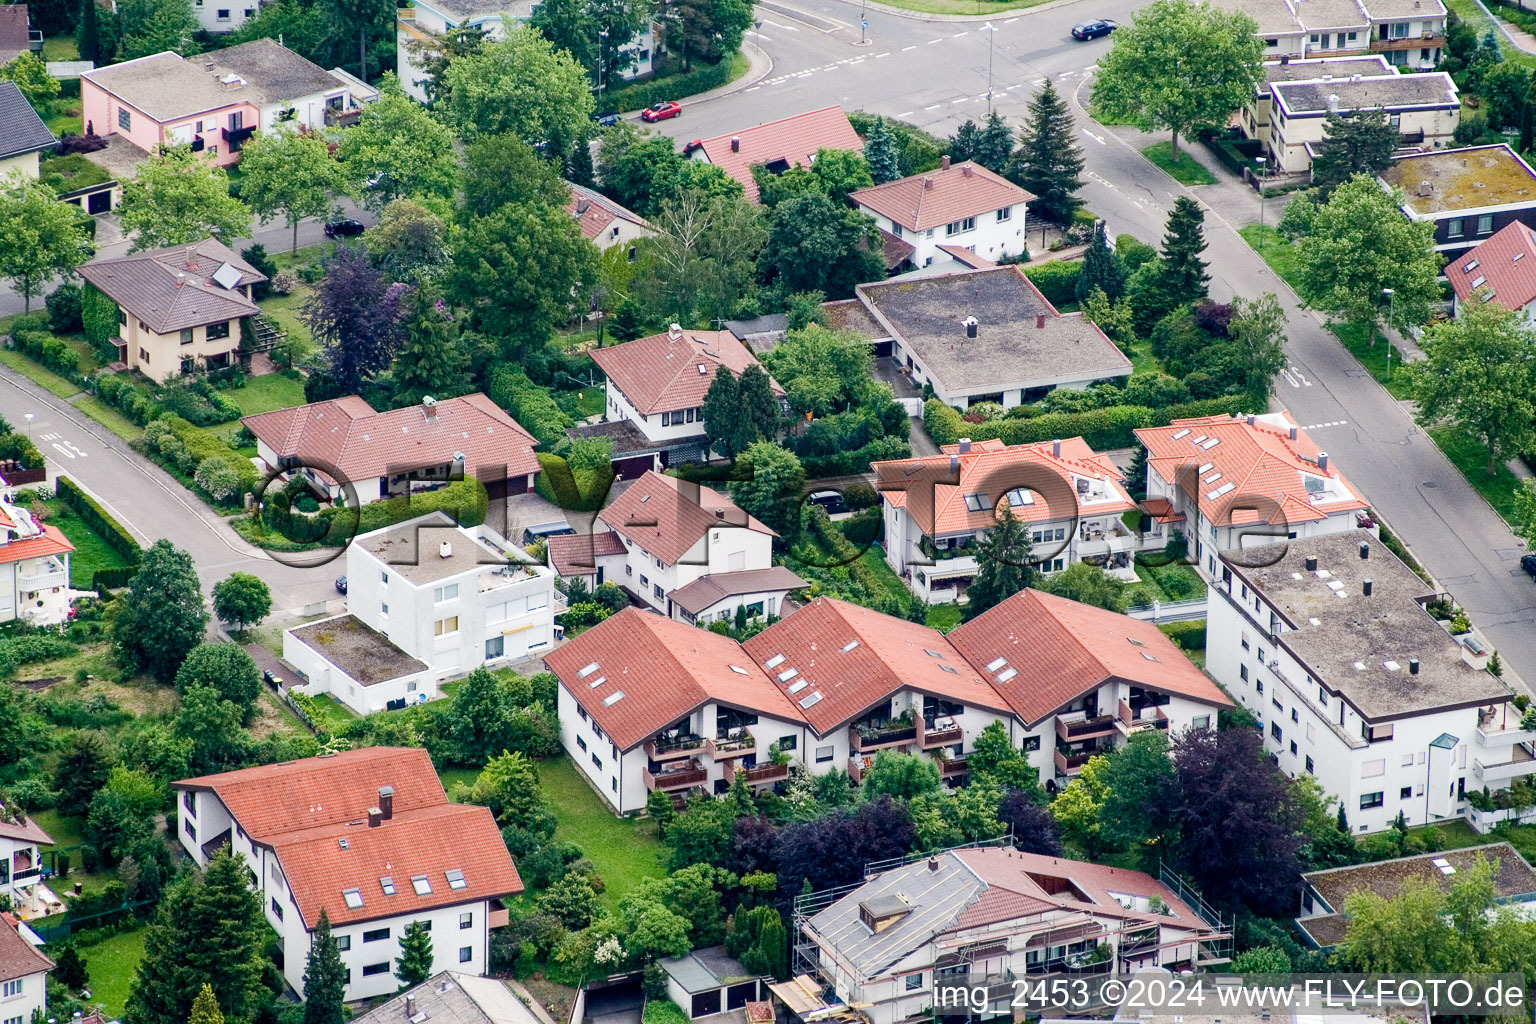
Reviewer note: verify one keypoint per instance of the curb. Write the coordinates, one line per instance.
(902, 12)
(760, 67)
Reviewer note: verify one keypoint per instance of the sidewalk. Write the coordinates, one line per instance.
(902, 12)
(760, 66)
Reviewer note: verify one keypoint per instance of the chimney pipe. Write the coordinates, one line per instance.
(965, 445)
(933, 862)
(735, 144)
(966, 170)
(191, 257)
(1039, 321)
(1365, 550)
(1311, 563)
(1252, 419)
(410, 1007)
(1413, 666)
(445, 550)
(1322, 461)
(1293, 433)
(429, 408)
(944, 162)
(954, 463)
(1365, 587)
(928, 182)
(971, 324)
(375, 817)
(1056, 449)
(387, 802)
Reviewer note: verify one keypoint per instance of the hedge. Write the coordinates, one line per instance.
(48, 350)
(198, 444)
(114, 533)
(840, 547)
(1190, 636)
(530, 405)
(557, 482)
(858, 460)
(1110, 427)
(114, 578)
(917, 150)
(1056, 280)
(98, 316)
(119, 391)
(702, 78)
(16, 447)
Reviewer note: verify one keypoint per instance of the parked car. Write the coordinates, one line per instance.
(1528, 563)
(346, 228)
(830, 502)
(341, 584)
(661, 111)
(607, 118)
(1092, 29)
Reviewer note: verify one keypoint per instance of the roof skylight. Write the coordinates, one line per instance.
(422, 884)
(353, 898)
(613, 698)
(388, 885)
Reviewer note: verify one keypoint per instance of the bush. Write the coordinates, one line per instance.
(1190, 636)
(860, 496)
(193, 446)
(529, 404)
(1057, 280)
(218, 477)
(97, 518)
(1109, 427)
(48, 350)
(917, 150)
(198, 402)
(64, 308)
(24, 650)
(702, 78)
(123, 394)
(664, 1011)
(113, 579)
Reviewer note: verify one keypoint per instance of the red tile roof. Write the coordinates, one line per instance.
(854, 658)
(595, 211)
(1503, 266)
(347, 433)
(895, 250)
(637, 672)
(49, 541)
(965, 256)
(573, 554)
(940, 197)
(793, 140)
(304, 810)
(934, 493)
(667, 516)
(1053, 650)
(18, 957)
(1235, 460)
(673, 371)
(1015, 871)
(23, 828)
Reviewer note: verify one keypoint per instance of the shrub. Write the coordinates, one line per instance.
(917, 150)
(197, 445)
(702, 78)
(24, 650)
(218, 477)
(1057, 280)
(64, 308)
(98, 318)
(97, 518)
(48, 350)
(1190, 636)
(198, 402)
(860, 496)
(529, 404)
(1109, 427)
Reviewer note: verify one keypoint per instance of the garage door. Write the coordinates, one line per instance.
(738, 996)
(706, 1003)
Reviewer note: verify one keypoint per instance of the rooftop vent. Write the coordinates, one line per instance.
(1413, 666)
(1056, 448)
(1039, 321)
(735, 144)
(1311, 563)
(445, 550)
(970, 324)
(1293, 432)
(928, 181)
(1322, 461)
(1365, 587)
(674, 332)
(1365, 550)
(1426, 188)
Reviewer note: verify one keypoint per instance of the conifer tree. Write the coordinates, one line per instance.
(205, 1009)
(578, 165)
(962, 144)
(722, 414)
(415, 963)
(1101, 269)
(881, 151)
(994, 144)
(324, 977)
(1048, 162)
(431, 361)
(1183, 271)
(759, 405)
(1006, 559)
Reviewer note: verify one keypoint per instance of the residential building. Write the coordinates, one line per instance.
(963, 205)
(421, 26)
(450, 997)
(658, 383)
(1408, 33)
(1323, 920)
(356, 665)
(983, 336)
(34, 566)
(345, 449)
(1082, 680)
(709, 981)
(1467, 194)
(1424, 108)
(179, 309)
(1255, 120)
(220, 16)
(938, 508)
(983, 917)
(17, 36)
(24, 138)
(21, 861)
(369, 837)
(1231, 482)
(1328, 642)
(604, 222)
(777, 145)
(1499, 270)
(23, 973)
(214, 101)
(648, 703)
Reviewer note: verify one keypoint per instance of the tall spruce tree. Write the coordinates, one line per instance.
(325, 978)
(994, 144)
(205, 1009)
(881, 151)
(1006, 559)
(1101, 269)
(759, 405)
(415, 963)
(1183, 271)
(722, 414)
(962, 144)
(1048, 161)
(431, 360)
(578, 165)
(1357, 142)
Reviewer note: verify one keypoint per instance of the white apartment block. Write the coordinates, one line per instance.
(1327, 641)
(34, 566)
(1424, 108)
(369, 836)
(1409, 33)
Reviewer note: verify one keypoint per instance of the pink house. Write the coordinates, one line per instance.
(213, 101)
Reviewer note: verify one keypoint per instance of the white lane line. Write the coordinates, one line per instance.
(1319, 426)
(780, 24)
(752, 88)
(1096, 138)
(887, 53)
(859, 61)
(962, 99)
(936, 106)
(957, 35)
(904, 49)
(904, 113)
(766, 39)
(932, 41)
(1010, 21)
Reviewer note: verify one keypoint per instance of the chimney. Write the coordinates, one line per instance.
(954, 463)
(1365, 550)
(582, 206)
(1311, 563)
(965, 445)
(387, 801)
(445, 550)
(1322, 461)
(1039, 321)
(933, 862)
(944, 162)
(1293, 433)
(1413, 666)
(928, 180)
(674, 332)
(1252, 419)
(191, 257)
(719, 513)
(180, 279)
(1056, 449)
(1333, 103)
(970, 324)
(410, 1007)
(735, 144)
(375, 817)
(966, 170)
(1365, 587)
(429, 408)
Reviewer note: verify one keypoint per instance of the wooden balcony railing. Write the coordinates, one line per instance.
(1084, 728)
(766, 774)
(1071, 764)
(670, 748)
(885, 738)
(669, 781)
(735, 746)
(929, 737)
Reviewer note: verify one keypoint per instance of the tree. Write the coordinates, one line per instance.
(397, 150)
(1359, 244)
(567, 24)
(432, 360)
(241, 599)
(963, 143)
(1004, 557)
(361, 16)
(578, 166)
(1087, 584)
(161, 617)
(519, 85)
(1182, 273)
(571, 900)
(901, 776)
(414, 964)
(1033, 828)
(409, 243)
(291, 174)
(882, 153)
(325, 977)
(629, 161)
(759, 405)
(841, 171)
(701, 260)
(771, 484)
(814, 244)
(355, 313)
(82, 769)
(1135, 777)
(205, 1008)
(509, 786)
(210, 726)
(434, 56)
(503, 169)
(154, 26)
(42, 239)
(1480, 374)
(1102, 270)
(178, 197)
(707, 29)
(1262, 960)
(993, 759)
(1077, 808)
(70, 968)
(1180, 66)
(658, 807)
(88, 36)
(723, 413)
(1258, 328)
(1355, 142)
(485, 718)
(31, 76)
(226, 668)
(993, 148)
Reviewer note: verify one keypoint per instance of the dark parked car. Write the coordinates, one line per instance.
(661, 111)
(341, 584)
(830, 502)
(1092, 29)
(607, 117)
(1528, 563)
(346, 228)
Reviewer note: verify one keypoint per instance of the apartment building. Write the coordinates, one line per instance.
(1409, 33)
(23, 973)
(962, 205)
(1235, 481)
(369, 837)
(1425, 109)
(1467, 194)
(938, 508)
(1257, 116)
(1327, 640)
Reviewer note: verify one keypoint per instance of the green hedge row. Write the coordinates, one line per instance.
(1190, 636)
(97, 518)
(1111, 427)
(112, 579)
(530, 405)
(48, 350)
(195, 446)
(844, 550)
(702, 78)
(16, 447)
(858, 460)
(119, 391)
(557, 482)
(1056, 280)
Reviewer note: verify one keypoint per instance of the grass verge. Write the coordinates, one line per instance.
(1471, 457)
(1184, 169)
(943, 617)
(330, 715)
(110, 418)
(38, 374)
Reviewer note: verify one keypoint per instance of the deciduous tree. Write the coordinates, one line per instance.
(722, 413)
(771, 485)
(701, 259)
(1033, 828)
(522, 86)
(1258, 328)
(154, 26)
(31, 76)
(502, 169)
(410, 242)
(177, 197)
(399, 151)
(161, 617)
(228, 670)
(355, 313)
(42, 238)
(291, 174)
(901, 776)
(814, 244)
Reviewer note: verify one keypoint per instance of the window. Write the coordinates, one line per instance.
(422, 884)
(466, 921)
(1245, 635)
(466, 954)
(215, 332)
(1371, 769)
(11, 988)
(1242, 671)
(1369, 800)
(959, 227)
(1310, 770)
(914, 982)
(1407, 761)
(1405, 793)
(1274, 730)
(224, 14)
(495, 647)
(1484, 223)
(455, 879)
(124, 119)
(186, 336)
(1258, 684)
(13, 1020)
(581, 742)
(446, 627)
(277, 909)
(645, 581)
(1294, 716)
(343, 942)
(656, 589)
(1200, 722)
(1031, 744)
(1322, 696)
(425, 925)
(375, 969)
(353, 898)
(1453, 227)
(597, 762)
(448, 593)
(1006, 213)
(388, 885)
(823, 754)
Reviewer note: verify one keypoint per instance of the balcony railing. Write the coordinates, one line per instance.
(1414, 138)
(1496, 736)
(670, 748)
(1071, 764)
(1426, 41)
(930, 736)
(952, 767)
(881, 736)
(1522, 763)
(731, 746)
(674, 779)
(856, 769)
(43, 580)
(1136, 719)
(340, 118)
(766, 774)
(1071, 729)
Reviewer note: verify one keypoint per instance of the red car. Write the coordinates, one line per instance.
(661, 111)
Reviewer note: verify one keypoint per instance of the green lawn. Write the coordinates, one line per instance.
(91, 551)
(589, 401)
(331, 716)
(1186, 170)
(65, 830)
(283, 310)
(112, 964)
(261, 394)
(110, 418)
(1275, 249)
(1159, 584)
(943, 617)
(1471, 457)
(874, 557)
(623, 850)
(74, 172)
(38, 373)
(60, 48)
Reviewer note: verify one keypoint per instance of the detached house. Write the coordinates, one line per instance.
(21, 863)
(178, 309)
(34, 570)
(24, 138)
(1501, 269)
(604, 222)
(964, 205)
(369, 837)
(777, 145)
(23, 973)
(1257, 116)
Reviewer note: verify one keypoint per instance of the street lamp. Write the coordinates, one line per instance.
(29, 426)
(991, 33)
(1391, 309)
(1262, 167)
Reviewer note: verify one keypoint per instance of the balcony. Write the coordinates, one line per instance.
(1419, 42)
(1415, 138)
(952, 767)
(1094, 543)
(498, 918)
(1076, 726)
(1072, 764)
(857, 766)
(1132, 719)
(506, 576)
(671, 779)
(671, 748)
(766, 774)
(1521, 763)
(876, 737)
(343, 118)
(1498, 733)
(736, 745)
(52, 575)
(937, 735)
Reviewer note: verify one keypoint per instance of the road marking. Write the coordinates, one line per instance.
(1068, 74)
(766, 39)
(932, 41)
(1301, 376)
(1319, 426)
(1010, 21)
(904, 49)
(1096, 138)
(957, 35)
(962, 99)
(64, 451)
(936, 106)
(78, 451)
(780, 24)
(904, 113)
(1091, 67)
(752, 88)
(859, 61)
(887, 53)
(1038, 81)
(49, 437)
